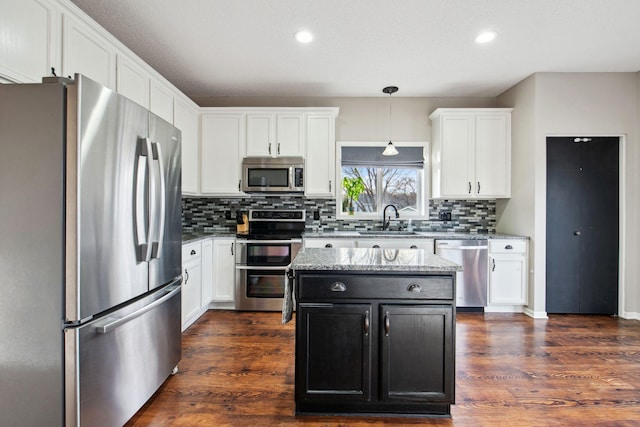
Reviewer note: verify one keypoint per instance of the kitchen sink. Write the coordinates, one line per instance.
(375, 233)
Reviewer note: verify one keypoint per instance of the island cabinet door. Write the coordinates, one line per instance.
(417, 353)
(333, 343)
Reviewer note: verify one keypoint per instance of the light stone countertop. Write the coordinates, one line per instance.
(372, 260)
(415, 235)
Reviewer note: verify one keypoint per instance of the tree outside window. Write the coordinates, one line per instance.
(383, 186)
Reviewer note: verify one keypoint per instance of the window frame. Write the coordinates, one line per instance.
(425, 186)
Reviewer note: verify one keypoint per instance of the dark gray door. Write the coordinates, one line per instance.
(582, 225)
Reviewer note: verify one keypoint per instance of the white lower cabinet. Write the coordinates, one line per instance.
(224, 271)
(191, 282)
(207, 273)
(507, 272)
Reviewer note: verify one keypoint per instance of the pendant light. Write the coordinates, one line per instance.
(390, 150)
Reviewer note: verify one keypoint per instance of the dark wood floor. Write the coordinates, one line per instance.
(237, 369)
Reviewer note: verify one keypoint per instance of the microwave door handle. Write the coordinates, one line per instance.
(159, 208)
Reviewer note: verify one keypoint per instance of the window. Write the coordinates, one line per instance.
(398, 180)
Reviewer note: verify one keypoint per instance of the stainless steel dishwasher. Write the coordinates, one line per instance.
(471, 282)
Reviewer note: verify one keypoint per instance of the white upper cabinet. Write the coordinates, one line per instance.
(161, 100)
(222, 145)
(275, 134)
(186, 119)
(132, 80)
(471, 153)
(320, 158)
(86, 51)
(29, 40)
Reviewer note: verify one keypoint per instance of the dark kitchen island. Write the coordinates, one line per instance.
(375, 332)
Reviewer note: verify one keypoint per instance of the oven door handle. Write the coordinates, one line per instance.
(280, 242)
(256, 267)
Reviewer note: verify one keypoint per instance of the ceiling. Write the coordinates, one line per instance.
(221, 48)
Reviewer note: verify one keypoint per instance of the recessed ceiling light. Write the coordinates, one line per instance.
(486, 37)
(304, 36)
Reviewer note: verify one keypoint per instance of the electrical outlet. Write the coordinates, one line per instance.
(444, 215)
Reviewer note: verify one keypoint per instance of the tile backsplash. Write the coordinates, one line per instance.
(208, 215)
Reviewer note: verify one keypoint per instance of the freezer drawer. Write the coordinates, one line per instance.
(114, 364)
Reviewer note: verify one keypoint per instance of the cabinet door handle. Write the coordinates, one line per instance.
(366, 323)
(338, 287)
(278, 148)
(232, 243)
(493, 264)
(193, 251)
(328, 245)
(329, 186)
(269, 148)
(186, 273)
(239, 182)
(469, 187)
(508, 247)
(478, 187)
(387, 324)
(414, 288)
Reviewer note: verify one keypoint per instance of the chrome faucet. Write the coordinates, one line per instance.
(385, 223)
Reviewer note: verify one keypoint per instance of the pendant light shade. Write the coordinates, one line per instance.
(390, 150)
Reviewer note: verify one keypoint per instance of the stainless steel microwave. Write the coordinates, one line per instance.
(273, 175)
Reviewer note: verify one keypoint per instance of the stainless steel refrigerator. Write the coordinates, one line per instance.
(90, 254)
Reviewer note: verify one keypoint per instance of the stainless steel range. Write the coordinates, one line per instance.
(262, 256)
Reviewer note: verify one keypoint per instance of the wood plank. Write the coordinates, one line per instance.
(237, 369)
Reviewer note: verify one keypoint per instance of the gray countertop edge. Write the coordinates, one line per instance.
(371, 260)
(195, 237)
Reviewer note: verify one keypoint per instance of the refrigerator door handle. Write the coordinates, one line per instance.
(159, 210)
(116, 323)
(143, 230)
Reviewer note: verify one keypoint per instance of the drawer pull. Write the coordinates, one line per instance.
(328, 245)
(338, 287)
(366, 323)
(193, 251)
(375, 246)
(413, 247)
(414, 288)
(387, 324)
(508, 247)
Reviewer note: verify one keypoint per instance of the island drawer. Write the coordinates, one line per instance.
(358, 286)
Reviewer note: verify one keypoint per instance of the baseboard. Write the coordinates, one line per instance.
(631, 315)
(535, 314)
(504, 309)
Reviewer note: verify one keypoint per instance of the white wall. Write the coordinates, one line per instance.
(577, 104)
(516, 215)
(367, 118)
